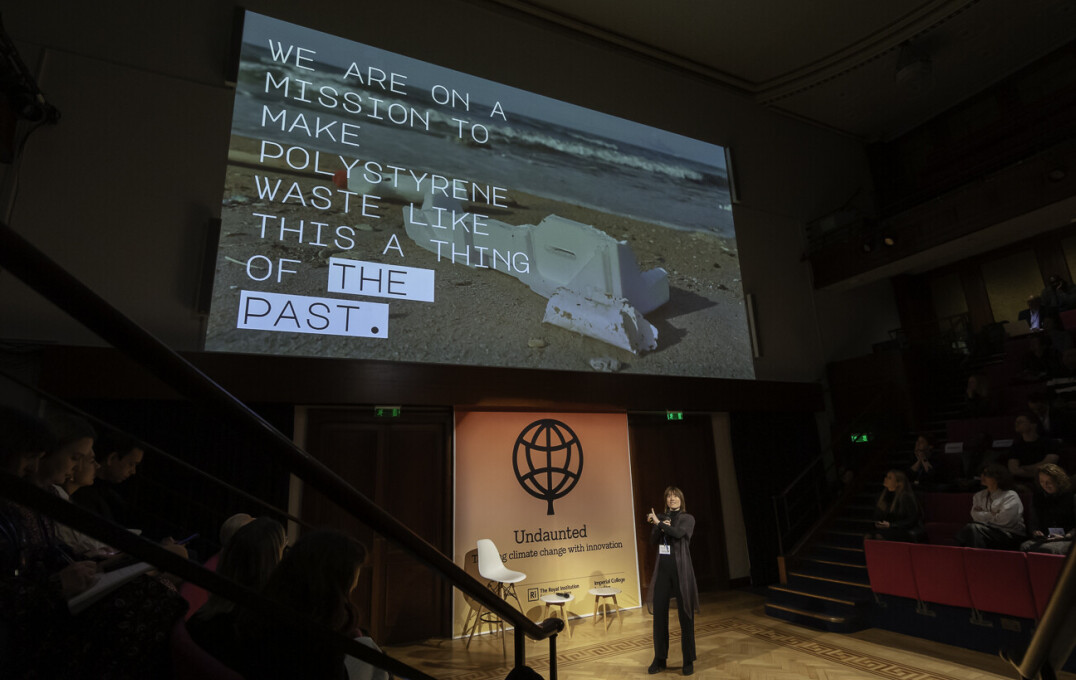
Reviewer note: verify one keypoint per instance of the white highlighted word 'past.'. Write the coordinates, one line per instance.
(305, 314)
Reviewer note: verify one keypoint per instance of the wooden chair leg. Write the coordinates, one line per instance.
(474, 628)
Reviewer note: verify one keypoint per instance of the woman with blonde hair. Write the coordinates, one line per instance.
(896, 514)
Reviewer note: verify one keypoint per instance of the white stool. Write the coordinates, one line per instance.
(557, 601)
(501, 580)
(601, 596)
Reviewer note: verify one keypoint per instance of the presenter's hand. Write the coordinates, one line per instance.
(667, 522)
(652, 518)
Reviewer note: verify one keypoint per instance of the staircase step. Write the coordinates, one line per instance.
(842, 570)
(835, 556)
(835, 624)
(838, 537)
(831, 586)
(863, 525)
(810, 595)
(847, 548)
(849, 555)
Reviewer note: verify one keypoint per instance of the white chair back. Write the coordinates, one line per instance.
(489, 560)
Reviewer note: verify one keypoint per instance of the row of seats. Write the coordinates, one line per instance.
(961, 435)
(998, 581)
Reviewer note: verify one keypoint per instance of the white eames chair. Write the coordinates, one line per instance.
(500, 580)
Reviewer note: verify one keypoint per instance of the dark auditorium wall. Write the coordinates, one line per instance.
(770, 450)
(121, 191)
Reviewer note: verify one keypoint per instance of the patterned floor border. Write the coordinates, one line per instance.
(876, 666)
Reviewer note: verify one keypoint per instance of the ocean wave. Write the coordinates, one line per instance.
(604, 154)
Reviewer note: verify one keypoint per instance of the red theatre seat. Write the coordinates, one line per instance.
(945, 514)
(1043, 570)
(939, 574)
(889, 567)
(998, 582)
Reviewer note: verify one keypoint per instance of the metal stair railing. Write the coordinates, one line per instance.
(793, 536)
(57, 285)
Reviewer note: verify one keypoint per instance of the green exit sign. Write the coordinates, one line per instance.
(674, 415)
(387, 411)
(861, 437)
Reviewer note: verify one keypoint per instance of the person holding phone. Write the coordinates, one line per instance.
(1053, 513)
(673, 576)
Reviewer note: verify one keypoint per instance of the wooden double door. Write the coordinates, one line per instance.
(404, 465)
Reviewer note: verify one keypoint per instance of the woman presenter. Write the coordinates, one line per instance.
(673, 577)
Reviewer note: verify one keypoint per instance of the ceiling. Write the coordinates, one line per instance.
(833, 63)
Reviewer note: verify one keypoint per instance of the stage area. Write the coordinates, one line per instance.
(736, 641)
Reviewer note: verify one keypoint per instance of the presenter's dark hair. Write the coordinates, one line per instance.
(675, 491)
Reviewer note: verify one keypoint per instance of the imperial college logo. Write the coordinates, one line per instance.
(548, 460)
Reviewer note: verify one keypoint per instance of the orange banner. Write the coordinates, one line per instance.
(553, 493)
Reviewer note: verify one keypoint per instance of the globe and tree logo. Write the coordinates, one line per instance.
(548, 460)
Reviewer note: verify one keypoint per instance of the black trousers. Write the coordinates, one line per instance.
(667, 586)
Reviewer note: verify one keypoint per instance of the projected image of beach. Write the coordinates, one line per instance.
(380, 207)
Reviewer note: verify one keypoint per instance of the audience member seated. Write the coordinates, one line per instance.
(122, 635)
(1041, 361)
(1029, 450)
(997, 513)
(1034, 314)
(1053, 513)
(78, 436)
(921, 473)
(1058, 294)
(314, 579)
(249, 557)
(896, 514)
(977, 403)
(37, 632)
(119, 456)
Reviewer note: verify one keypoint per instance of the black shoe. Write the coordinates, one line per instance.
(689, 669)
(656, 666)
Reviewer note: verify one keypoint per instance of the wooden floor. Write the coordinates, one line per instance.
(735, 640)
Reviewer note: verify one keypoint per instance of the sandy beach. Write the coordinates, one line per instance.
(480, 317)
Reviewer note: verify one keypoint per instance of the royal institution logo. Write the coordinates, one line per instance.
(548, 460)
